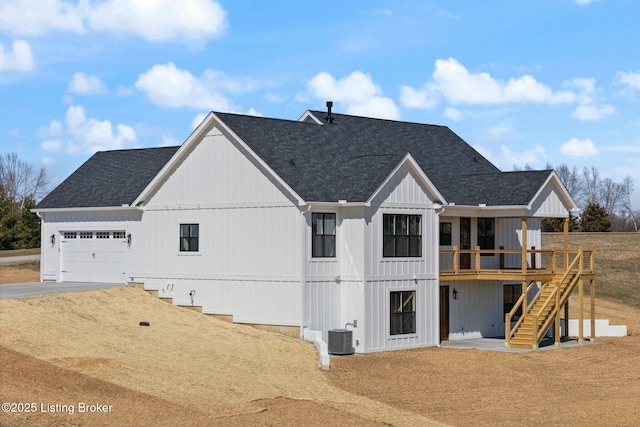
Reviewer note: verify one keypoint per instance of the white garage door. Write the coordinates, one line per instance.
(93, 256)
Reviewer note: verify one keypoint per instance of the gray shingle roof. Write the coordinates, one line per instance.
(345, 160)
(109, 178)
(350, 158)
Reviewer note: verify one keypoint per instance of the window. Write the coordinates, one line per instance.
(323, 235)
(402, 235)
(445, 234)
(189, 237)
(403, 313)
(69, 235)
(119, 235)
(486, 234)
(511, 293)
(102, 235)
(86, 234)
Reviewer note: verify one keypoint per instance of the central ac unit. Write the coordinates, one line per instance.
(341, 342)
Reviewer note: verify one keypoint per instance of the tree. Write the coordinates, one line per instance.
(595, 218)
(625, 200)
(20, 182)
(20, 186)
(570, 178)
(556, 225)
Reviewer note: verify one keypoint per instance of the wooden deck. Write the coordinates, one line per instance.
(534, 264)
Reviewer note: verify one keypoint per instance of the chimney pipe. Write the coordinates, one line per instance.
(329, 115)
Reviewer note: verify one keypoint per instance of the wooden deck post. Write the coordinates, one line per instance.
(565, 238)
(477, 259)
(580, 299)
(592, 291)
(455, 260)
(556, 323)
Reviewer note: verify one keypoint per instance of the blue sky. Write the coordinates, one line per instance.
(523, 82)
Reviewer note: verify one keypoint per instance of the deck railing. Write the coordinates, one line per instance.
(455, 261)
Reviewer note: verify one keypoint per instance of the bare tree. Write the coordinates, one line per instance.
(591, 181)
(570, 178)
(626, 189)
(609, 193)
(19, 181)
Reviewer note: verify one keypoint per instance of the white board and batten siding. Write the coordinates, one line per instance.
(402, 195)
(248, 261)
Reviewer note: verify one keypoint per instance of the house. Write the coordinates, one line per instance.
(402, 229)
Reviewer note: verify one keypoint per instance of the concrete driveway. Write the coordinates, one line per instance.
(29, 289)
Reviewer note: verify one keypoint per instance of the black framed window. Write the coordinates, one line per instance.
(189, 237)
(510, 295)
(445, 234)
(402, 235)
(487, 234)
(323, 235)
(402, 318)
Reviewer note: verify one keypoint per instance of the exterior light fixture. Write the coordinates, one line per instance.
(53, 239)
(455, 294)
(129, 239)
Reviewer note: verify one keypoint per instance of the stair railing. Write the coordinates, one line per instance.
(560, 298)
(509, 332)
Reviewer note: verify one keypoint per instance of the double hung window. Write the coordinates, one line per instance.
(189, 237)
(402, 235)
(403, 313)
(323, 235)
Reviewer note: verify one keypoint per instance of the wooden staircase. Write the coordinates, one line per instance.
(544, 308)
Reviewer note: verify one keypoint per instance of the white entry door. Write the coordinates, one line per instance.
(93, 256)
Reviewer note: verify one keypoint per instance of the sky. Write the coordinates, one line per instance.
(526, 83)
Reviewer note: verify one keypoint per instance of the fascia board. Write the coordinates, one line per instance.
(308, 114)
(179, 155)
(410, 161)
(124, 208)
(509, 211)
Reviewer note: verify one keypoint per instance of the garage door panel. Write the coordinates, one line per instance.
(93, 260)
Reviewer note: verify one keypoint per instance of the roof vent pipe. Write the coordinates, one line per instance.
(329, 115)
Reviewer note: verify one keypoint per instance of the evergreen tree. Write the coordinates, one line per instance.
(595, 218)
(556, 225)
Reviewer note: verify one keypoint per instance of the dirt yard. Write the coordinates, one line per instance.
(189, 369)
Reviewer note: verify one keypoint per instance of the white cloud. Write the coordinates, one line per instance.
(578, 148)
(453, 114)
(584, 2)
(153, 20)
(20, 58)
(357, 91)
(630, 79)
(90, 135)
(527, 157)
(592, 112)
(170, 86)
(197, 120)
(51, 145)
(37, 17)
(425, 98)
(83, 84)
(452, 82)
